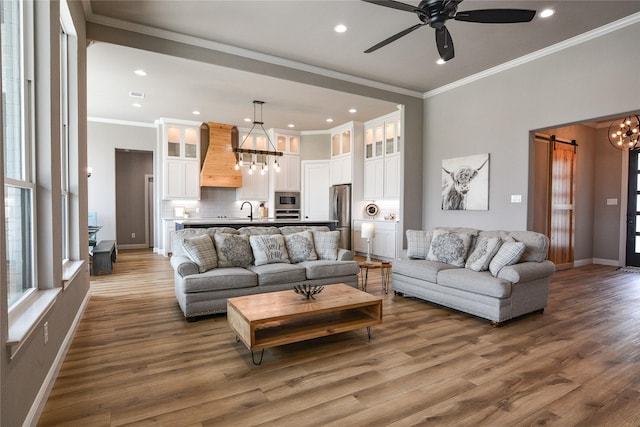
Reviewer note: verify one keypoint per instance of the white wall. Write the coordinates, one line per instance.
(494, 115)
(102, 141)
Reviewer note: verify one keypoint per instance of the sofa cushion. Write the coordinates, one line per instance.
(291, 229)
(420, 269)
(486, 248)
(233, 250)
(478, 282)
(418, 243)
(220, 279)
(326, 244)
(277, 274)
(449, 247)
(322, 269)
(300, 247)
(508, 254)
(258, 231)
(537, 245)
(269, 249)
(178, 236)
(200, 250)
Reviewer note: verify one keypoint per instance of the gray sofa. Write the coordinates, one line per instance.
(487, 278)
(204, 279)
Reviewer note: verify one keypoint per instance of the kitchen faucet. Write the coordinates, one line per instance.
(250, 206)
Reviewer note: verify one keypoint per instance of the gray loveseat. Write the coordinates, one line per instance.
(496, 275)
(213, 264)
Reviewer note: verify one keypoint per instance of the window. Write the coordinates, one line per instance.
(18, 182)
(64, 138)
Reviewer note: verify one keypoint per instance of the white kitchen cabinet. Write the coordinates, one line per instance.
(288, 179)
(169, 228)
(341, 154)
(315, 189)
(383, 245)
(181, 159)
(341, 170)
(382, 145)
(255, 186)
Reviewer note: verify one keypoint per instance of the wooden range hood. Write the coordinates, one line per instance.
(219, 160)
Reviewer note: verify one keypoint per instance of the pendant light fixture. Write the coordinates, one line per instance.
(264, 154)
(625, 134)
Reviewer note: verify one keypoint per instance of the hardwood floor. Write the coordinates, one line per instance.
(136, 361)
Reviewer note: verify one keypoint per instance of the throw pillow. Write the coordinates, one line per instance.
(269, 249)
(300, 247)
(326, 243)
(483, 253)
(233, 250)
(449, 247)
(509, 254)
(418, 243)
(200, 250)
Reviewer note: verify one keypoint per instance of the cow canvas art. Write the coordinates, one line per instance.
(465, 183)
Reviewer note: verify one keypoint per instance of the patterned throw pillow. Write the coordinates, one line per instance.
(509, 254)
(234, 250)
(300, 247)
(326, 243)
(200, 250)
(449, 247)
(483, 253)
(269, 249)
(418, 243)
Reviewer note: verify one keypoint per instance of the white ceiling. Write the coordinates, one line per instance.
(302, 31)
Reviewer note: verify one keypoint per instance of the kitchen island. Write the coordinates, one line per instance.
(246, 222)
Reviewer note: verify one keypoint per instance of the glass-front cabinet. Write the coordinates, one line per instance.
(181, 159)
(382, 147)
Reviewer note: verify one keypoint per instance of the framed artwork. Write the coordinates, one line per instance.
(465, 183)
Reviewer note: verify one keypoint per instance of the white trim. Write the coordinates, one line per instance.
(316, 132)
(47, 385)
(134, 246)
(121, 122)
(582, 262)
(246, 53)
(611, 262)
(581, 38)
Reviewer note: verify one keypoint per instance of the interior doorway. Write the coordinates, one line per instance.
(633, 214)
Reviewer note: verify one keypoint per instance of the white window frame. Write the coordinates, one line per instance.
(64, 137)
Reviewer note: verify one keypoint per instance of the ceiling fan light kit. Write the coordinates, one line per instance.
(435, 13)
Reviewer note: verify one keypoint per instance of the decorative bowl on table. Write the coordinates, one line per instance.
(308, 291)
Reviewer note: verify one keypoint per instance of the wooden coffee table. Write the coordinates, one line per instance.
(277, 318)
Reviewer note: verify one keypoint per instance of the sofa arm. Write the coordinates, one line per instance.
(344, 255)
(184, 266)
(527, 271)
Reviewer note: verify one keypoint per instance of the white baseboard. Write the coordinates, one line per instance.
(611, 262)
(134, 246)
(43, 394)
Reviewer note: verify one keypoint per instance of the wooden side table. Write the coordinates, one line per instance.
(385, 273)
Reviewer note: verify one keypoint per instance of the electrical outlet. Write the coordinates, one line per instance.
(46, 332)
(133, 235)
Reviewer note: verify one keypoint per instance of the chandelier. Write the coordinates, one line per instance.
(625, 134)
(257, 154)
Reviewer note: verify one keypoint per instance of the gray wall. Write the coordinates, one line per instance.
(103, 140)
(496, 114)
(315, 147)
(131, 168)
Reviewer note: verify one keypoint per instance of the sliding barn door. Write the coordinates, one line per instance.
(562, 203)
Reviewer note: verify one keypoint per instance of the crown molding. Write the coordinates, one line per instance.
(579, 39)
(246, 53)
(121, 122)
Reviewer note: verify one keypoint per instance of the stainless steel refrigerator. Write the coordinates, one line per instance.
(340, 210)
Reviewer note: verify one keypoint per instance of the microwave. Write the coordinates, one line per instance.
(288, 200)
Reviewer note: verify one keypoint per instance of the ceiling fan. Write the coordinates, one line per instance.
(435, 13)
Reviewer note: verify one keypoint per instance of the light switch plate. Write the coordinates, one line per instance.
(612, 202)
(516, 198)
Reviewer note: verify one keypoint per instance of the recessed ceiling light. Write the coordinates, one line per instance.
(329, 120)
(196, 112)
(340, 28)
(137, 104)
(140, 72)
(247, 119)
(353, 110)
(291, 125)
(547, 13)
(441, 61)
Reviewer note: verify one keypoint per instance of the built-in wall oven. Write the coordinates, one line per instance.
(287, 205)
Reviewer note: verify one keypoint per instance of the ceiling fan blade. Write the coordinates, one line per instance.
(393, 38)
(496, 16)
(394, 5)
(444, 43)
